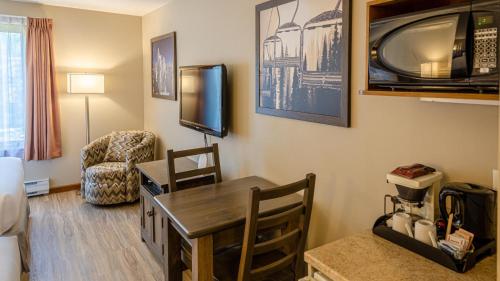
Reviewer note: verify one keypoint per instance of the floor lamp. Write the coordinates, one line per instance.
(86, 83)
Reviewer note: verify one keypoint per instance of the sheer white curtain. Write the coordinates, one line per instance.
(12, 85)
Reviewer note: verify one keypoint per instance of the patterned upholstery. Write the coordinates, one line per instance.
(107, 182)
(119, 144)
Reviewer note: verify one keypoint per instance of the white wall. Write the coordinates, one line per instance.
(86, 41)
(461, 140)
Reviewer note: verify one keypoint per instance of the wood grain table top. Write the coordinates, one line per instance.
(366, 256)
(211, 208)
(157, 170)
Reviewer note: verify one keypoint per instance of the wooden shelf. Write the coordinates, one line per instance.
(387, 8)
(378, 9)
(470, 96)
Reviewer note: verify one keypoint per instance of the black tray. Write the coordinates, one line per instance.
(381, 229)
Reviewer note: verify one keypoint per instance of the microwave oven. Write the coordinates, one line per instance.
(446, 49)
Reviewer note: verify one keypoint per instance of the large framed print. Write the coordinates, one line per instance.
(164, 67)
(303, 60)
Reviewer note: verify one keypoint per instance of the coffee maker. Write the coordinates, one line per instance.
(418, 197)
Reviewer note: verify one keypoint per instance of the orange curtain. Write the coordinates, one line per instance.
(43, 130)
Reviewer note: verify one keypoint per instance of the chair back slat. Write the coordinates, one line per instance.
(194, 173)
(175, 177)
(195, 182)
(283, 190)
(277, 243)
(276, 266)
(280, 218)
(194, 151)
(286, 247)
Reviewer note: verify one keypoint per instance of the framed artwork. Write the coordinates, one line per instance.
(164, 67)
(303, 60)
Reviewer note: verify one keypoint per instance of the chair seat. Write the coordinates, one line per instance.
(226, 265)
(108, 169)
(106, 183)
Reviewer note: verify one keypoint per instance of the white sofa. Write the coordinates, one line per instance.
(14, 215)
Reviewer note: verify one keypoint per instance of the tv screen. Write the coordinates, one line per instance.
(203, 95)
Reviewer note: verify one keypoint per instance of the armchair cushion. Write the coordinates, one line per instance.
(120, 143)
(106, 183)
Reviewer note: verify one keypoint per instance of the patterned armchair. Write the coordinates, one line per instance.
(108, 172)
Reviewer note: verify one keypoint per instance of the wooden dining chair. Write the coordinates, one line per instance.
(191, 179)
(280, 257)
(196, 177)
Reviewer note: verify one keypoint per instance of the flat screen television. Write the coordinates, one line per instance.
(203, 99)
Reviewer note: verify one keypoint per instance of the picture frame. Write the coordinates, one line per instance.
(303, 60)
(164, 66)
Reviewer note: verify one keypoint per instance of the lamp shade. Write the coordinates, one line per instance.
(85, 83)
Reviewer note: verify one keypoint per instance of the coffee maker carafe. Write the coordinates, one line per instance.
(473, 208)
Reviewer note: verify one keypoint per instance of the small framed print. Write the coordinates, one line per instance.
(164, 67)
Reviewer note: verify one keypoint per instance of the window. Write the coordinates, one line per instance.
(12, 85)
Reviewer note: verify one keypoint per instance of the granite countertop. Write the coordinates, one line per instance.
(368, 257)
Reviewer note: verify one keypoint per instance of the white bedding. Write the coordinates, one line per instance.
(12, 194)
(10, 260)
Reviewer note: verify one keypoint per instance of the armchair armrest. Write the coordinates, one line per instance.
(143, 152)
(94, 152)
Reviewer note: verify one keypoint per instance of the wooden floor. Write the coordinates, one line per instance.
(72, 241)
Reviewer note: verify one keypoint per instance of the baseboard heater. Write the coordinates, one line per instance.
(37, 187)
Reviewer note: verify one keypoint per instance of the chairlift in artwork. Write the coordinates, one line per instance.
(289, 62)
(272, 48)
(302, 61)
(324, 33)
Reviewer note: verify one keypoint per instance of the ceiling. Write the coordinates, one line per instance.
(128, 7)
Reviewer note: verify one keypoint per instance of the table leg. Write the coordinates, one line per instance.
(203, 258)
(172, 265)
(310, 271)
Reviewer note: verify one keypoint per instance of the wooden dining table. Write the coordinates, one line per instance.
(210, 217)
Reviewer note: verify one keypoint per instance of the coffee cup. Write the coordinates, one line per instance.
(401, 222)
(425, 231)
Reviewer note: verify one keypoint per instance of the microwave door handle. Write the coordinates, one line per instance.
(461, 62)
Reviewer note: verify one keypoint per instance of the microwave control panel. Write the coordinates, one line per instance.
(485, 43)
(485, 49)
